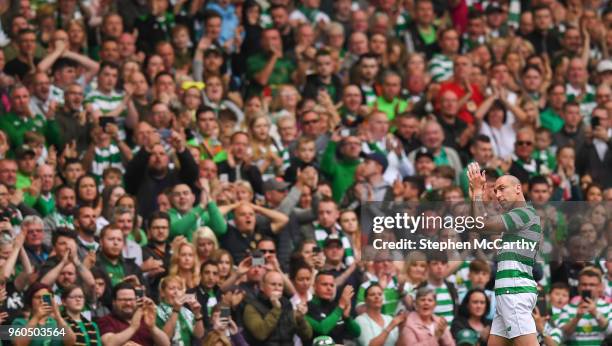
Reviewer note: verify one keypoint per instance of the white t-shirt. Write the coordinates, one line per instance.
(503, 138)
(370, 329)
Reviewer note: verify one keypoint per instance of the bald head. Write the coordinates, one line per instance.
(509, 180)
(509, 192)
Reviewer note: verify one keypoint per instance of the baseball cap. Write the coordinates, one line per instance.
(323, 340)
(494, 8)
(275, 184)
(604, 66)
(333, 238)
(24, 151)
(213, 49)
(423, 152)
(467, 337)
(381, 159)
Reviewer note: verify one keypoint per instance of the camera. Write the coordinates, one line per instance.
(258, 258)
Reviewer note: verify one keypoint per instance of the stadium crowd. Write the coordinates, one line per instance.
(193, 172)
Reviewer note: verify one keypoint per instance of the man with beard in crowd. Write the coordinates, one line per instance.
(156, 254)
(132, 320)
(85, 224)
(63, 216)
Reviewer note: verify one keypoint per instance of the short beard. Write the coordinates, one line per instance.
(157, 242)
(89, 230)
(66, 211)
(157, 172)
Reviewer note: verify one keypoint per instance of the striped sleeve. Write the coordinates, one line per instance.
(517, 219)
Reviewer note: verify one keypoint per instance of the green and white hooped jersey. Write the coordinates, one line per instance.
(391, 295)
(106, 103)
(444, 302)
(440, 67)
(588, 332)
(515, 264)
(321, 235)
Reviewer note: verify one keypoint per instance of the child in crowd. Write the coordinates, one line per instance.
(305, 155)
(559, 298)
(543, 150)
(479, 275)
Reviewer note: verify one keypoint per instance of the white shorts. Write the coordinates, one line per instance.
(513, 315)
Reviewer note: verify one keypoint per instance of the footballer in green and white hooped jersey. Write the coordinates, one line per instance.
(515, 287)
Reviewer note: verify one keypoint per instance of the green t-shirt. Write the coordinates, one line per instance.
(16, 126)
(280, 75)
(115, 271)
(23, 181)
(551, 120)
(50, 323)
(45, 205)
(428, 36)
(391, 108)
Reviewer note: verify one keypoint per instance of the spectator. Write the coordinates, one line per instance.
(184, 263)
(22, 119)
(45, 314)
(588, 308)
(129, 321)
(110, 258)
(185, 218)
(177, 321)
(152, 165)
(472, 315)
(74, 302)
(445, 291)
(422, 326)
(327, 317)
(376, 326)
(270, 318)
(236, 167)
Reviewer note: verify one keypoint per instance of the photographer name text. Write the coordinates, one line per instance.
(443, 245)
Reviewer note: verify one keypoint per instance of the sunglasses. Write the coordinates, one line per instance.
(310, 122)
(526, 143)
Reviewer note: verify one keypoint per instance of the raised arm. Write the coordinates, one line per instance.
(476, 177)
(262, 77)
(51, 276)
(47, 62)
(91, 66)
(9, 265)
(484, 107)
(278, 220)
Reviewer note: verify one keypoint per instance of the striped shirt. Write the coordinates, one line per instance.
(56, 94)
(107, 103)
(321, 235)
(587, 332)
(587, 103)
(555, 333)
(440, 68)
(444, 302)
(515, 263)
(105, 158)
(391, 295)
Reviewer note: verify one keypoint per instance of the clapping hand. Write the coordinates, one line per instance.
(301, 310)
(476, 178)
(149, 312)
(440, 327)
(345, 300)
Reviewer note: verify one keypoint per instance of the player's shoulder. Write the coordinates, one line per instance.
(524, 214)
